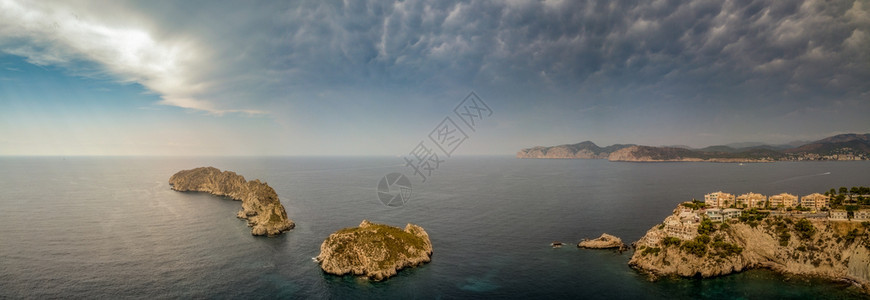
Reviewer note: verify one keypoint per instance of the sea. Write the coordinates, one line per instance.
(111, 228)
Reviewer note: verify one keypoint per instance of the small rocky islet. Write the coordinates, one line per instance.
(376, 251)
(260, 204)
(605, 241)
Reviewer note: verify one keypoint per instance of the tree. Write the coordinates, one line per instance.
(706, 227)
(854, 191)
(804, 228)
(843, 190)
(838, 200)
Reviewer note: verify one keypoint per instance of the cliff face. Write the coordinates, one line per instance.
(260, 204)
(832, 249)
(374, 250)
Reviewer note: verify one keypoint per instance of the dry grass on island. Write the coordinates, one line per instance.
(376, 251)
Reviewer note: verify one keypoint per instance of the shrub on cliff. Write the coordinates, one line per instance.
(651, 250)
(694, 247)
(724, 249)
(671, 241)
(753, 214)
(851, 236)
(784, 237)
(804, 229)
(706, 227)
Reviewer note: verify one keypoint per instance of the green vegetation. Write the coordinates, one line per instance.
(392, 239)
(651, 250)
(671, 241)
(706, 227)
(804, 229)
(752, 224)
(695, 204)
(724, 249)
(695, 247)
(849, 196)
(704, 239)
(781, 229)
(784, 237)
(753, 214)
(851, 236)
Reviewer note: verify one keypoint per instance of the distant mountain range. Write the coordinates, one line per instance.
(839, 147)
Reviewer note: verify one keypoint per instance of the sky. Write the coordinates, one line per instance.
(377, 77)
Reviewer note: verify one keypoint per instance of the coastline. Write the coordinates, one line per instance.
(832, 249)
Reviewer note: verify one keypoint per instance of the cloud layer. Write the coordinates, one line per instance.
(224, 57)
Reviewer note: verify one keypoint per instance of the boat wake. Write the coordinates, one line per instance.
(802, 177)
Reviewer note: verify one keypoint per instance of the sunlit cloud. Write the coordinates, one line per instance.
(60, 35)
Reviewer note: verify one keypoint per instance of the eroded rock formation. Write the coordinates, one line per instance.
(260, 204)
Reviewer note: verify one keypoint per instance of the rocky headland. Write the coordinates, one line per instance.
(373, 250)
(838, 250)
(605, 241)
(260, 204)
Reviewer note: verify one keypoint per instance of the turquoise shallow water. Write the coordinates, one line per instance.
(109, 227)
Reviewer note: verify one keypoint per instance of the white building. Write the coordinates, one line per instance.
(839, 214)
(731, 213)
(715, 214)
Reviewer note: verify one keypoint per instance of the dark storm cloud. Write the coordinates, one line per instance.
(242, 57)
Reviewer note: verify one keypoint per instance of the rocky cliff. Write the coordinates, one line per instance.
(839, 250)
(376, 251)
(260, 204)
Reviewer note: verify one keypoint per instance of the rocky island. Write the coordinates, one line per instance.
(260, 204)
(605, 241)
(688, 246)
(373, 250)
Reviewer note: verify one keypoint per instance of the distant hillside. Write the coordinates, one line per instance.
(840, 147)
(843, 144)
(583, 150)
(646, 153)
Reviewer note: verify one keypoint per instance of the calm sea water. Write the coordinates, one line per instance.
(87, 227)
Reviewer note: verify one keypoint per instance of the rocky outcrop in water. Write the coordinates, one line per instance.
(260, 204)
(605, 241)
(373, 250)
(839, 250)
